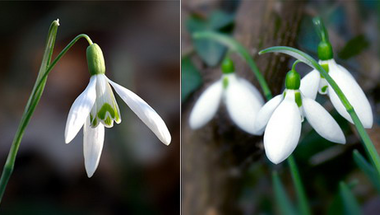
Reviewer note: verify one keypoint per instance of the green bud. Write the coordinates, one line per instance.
(228, 66)
(325, 51)
(95, 60)
(292, 80)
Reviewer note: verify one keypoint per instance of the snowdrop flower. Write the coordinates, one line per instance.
(241, 98)
(314, 82)
(282, 116)
(96, 108)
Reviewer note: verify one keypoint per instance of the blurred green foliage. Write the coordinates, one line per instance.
(211, 52)
(191, 78)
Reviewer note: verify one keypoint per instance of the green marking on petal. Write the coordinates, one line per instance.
(298, 99)
(106, 108)
(324, 89)
(284, 94)
(108, 121)
(225, 82)
(325, 66)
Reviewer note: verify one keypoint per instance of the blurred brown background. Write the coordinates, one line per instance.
(137, 174)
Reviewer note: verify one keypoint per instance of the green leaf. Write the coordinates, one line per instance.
(210, 51)
(191, 78)
(349, 202)
(282, 199)
(367, 169)
(353, 47)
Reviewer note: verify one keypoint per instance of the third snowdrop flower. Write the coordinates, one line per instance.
(282, 116)
(314, 82)
(241, 98)
(96, 108)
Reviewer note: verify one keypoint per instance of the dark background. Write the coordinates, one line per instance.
(137, 174)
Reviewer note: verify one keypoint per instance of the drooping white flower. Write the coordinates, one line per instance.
(96, 108)
(241, 98)
(313, 83)
(281, 119)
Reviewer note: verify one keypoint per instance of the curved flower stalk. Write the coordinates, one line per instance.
(314, 82)
(241, 98)
(96, 108)
(282, 117)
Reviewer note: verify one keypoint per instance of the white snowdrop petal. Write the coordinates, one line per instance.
(242, 103)
(80, 110)
(323, 123)
(93, 140)
(310, 84)
(252, 88)
(265, 113)
(144, 112)
(354, 94)
(283, 130)
(206, 105)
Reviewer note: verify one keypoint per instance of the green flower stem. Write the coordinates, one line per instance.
(34, 98)
(301, 195)
(236, 46)
(305, 58)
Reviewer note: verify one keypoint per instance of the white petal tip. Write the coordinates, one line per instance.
(276, 160)
(90, 173)
(167, 140)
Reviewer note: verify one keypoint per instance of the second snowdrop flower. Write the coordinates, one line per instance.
(241, 98)
(282, 117)
(96, 108)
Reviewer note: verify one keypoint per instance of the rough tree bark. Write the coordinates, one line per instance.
(215, 157)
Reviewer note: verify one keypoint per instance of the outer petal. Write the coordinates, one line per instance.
(243, 102)
(354, 94)
(283, 130)
(93, 139)
(144, 112)
(323, 123)
(265, 113)
(80, 110)
(206, 106)
(310, 84)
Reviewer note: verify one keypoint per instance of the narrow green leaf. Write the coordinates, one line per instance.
(367, 169)
(282, 199)
(350, 204)
(237, 47)
(191, 78)
(301, 195)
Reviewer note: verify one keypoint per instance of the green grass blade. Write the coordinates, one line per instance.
(349, 202)
(367, 168)
(282, 199)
